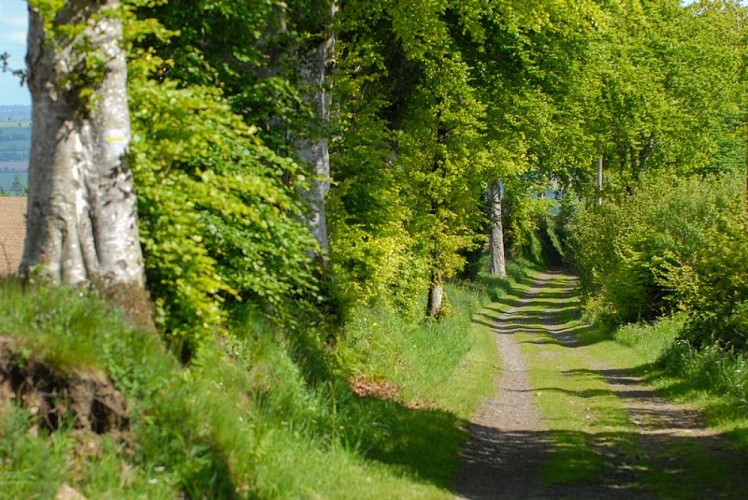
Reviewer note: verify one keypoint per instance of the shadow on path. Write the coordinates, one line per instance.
(510, 444)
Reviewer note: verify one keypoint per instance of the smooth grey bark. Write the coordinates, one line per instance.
(436, 297)
(435, 301)
(82, 212)
(315, 71)
(497, 258)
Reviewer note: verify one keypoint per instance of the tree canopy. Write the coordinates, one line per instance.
(421, 107)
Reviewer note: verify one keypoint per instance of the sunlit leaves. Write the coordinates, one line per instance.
(216, 221)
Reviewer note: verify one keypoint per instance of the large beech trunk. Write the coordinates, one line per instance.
(82, 218)
(315, 70)
(497, 259)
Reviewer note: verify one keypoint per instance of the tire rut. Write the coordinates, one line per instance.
(664, 429)
(510, 442)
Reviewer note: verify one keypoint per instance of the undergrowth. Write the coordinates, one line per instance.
(713, 379)
(265, 412)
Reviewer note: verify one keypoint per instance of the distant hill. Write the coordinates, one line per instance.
(15, 113)
(15, 143)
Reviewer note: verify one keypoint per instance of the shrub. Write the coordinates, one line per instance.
(217, 222)
(714, 285)
(626, 251)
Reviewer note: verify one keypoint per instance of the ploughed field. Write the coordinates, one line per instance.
(12, 232)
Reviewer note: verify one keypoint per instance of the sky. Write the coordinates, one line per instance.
(13, 24)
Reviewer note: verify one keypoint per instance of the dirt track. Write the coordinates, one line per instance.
(12, 233)
(511, 441)
(503, 459)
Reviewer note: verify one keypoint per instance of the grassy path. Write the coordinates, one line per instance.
(571, 420)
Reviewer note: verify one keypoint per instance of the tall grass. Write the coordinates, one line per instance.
(262, 413)
(518, 275)
(711, 378)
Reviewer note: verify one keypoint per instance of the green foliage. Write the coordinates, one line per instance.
(379, 267)
(654, 98)
(373, 254)
(33, 465)
(412, 154)
(240, 48)
(217, 223)
(623, 249)
(713, 285)
(527, 213)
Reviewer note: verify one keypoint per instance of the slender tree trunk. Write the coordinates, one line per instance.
(315, 69)
(497, 259)
(599, 199)
(436, 282)
(436, 296)
(82, 219)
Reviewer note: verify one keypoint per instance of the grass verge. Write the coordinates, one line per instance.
(595, 433)
(712, 380)
(243, 419)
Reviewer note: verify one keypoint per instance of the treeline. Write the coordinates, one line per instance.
(304, 178)
(15, 113)
(16, 154)
(15, 132)
(328, 155)
(421, 110)
(14, 143)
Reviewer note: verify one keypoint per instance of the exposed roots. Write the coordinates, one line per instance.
(79, 400)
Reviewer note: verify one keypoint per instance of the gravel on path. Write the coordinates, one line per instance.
(510, 442)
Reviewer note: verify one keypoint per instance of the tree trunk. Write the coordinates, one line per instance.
(599, 199)
(315, 70)
(436, 284)
(436, 297)
(497, 259)
(82, 218)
